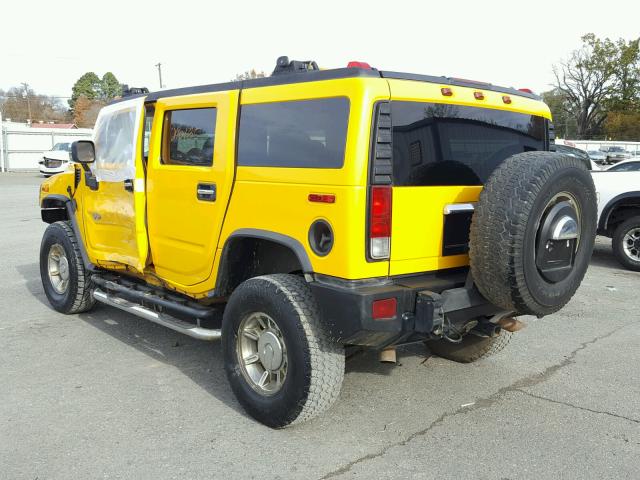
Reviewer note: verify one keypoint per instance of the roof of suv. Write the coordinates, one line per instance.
(317, 75)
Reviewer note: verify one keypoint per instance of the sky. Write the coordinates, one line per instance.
(509, 43)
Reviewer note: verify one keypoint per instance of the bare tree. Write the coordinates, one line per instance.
(249, 74)
(586, 79)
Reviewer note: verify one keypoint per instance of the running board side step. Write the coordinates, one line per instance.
(157, 317)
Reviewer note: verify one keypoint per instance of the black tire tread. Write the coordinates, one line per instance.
(326, 355)
(472, 347)
(499, 224)
(82, 296)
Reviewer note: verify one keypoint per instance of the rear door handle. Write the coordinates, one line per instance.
(128, 185)
(206, 192)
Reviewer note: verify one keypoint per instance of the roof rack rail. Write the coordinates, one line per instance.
(284, 65)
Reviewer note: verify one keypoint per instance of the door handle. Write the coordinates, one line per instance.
(206, 192)
(128, 185)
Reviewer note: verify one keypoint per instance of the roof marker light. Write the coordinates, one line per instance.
(478, 95)
(506, 99)
(525, 90)
(356, 64)
(446, 91)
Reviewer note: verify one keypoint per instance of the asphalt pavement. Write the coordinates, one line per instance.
(108, 395)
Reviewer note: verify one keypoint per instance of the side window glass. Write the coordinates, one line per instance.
(146, 138)
(295, 134)
(188, 137)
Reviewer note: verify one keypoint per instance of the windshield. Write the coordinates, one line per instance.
(64, 147)
(443, 144)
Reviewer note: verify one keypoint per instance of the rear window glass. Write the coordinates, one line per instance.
(441, 144)
(298, 134)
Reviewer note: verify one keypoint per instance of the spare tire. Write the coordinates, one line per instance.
(533, 231)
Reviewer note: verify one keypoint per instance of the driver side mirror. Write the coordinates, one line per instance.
(83, 152)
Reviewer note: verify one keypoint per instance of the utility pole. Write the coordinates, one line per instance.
(159, 65)
(26, 94)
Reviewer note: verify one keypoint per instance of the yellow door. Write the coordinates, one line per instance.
(114, 209)
(189, 179)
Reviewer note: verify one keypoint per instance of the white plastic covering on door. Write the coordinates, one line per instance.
(115, 137)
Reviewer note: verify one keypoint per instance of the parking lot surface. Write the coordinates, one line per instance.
(108, 395)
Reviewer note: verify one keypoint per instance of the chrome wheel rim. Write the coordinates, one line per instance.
(262, 353)
(631, 244)
(567, 197)
(58, 268)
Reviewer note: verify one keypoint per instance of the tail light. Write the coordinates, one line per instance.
(380, 222)
(384, 309)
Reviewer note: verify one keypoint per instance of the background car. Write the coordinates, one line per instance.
(625, 166)
(597, 156)
(619, 212)
(55, 160)
(577, 153)
(615, 154)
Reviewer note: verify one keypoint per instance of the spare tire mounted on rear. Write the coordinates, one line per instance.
(533, 232)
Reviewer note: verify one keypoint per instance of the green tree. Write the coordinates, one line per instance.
(88, 85)
(625, 95)
(564, 123)
(110, 87)
(600, 77)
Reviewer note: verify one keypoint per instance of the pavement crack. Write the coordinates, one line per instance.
(517, 386)
(578, 407)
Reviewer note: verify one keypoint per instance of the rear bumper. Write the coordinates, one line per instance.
(422, 302)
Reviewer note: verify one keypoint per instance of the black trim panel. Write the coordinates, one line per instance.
(285, 240)
(283, 79)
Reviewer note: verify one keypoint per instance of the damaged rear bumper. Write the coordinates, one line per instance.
(423, 302)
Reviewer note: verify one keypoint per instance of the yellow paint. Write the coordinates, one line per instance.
(412, 91)
(417, 225)
(186, 236)
(184, 231)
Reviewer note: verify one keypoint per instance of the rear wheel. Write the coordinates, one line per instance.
(66, 282)
(626, 243)
(471, 348)
(533, 232)
(281, 364)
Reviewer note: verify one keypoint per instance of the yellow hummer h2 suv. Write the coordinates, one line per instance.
(295, 215)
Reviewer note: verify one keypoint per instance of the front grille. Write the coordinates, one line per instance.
(52, 163)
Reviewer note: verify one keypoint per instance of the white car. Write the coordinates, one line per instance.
(619, 213)
(56, 160)
(632, 165)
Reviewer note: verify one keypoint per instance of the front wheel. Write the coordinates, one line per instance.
(626, 243)
(66, 282)
(280, 362)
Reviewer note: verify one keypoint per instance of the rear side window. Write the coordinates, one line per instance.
(298, 134)
(188, 137)
(442, 144)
